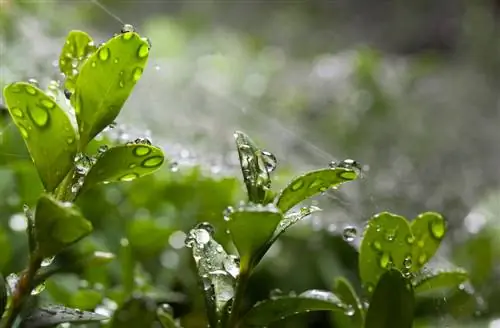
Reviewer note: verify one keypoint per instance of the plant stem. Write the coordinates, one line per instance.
(238, 299)
(25, 284)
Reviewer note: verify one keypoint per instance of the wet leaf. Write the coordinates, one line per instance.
(392, 303)
(105, 82)
(254, 168)
(429, 229)
(312, 183)
(278, 308)
(56, 314)
(46, 130)
(136, 312)
(58, 225)
(387, 243)
(429, 281)
(3, 295)
(353, 316)
(124, 163)
(76, 49)
(251, 228)
(217, 271)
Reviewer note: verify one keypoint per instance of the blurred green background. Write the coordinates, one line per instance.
(408, 88)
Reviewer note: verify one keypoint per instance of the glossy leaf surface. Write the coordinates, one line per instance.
(312, 183)
(392, 303)
(387, 243)
(58, 225)
(57, 314)
(124, 163)
(429, 229)
(76, 49)
(46, 130)
(105, 82)
(275, 309)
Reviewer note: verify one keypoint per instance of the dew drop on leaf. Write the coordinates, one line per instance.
(437, 228)
(270, 161)
(47, 261)
(143, 51)
(349, 233)
(349, 310)
(385, 259)
(136, 74)
(104, 54)
(127, 28)
(32, 82)
(12, 280)
(407, 263)
(38, 289)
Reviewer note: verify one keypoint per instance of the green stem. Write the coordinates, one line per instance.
(238, 299)
(26, 282)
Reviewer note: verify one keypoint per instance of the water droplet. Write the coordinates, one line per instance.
(385, 260)
(276, 293)
(17, 112)
(297, 185)
(104, 54)
(420, 243)
(83, 163)
(67, 94)
(143, 51)
(136, 74)
(207, 227)
(49, 104)
(422, 259)
(24, 132)
(227, 213)
(70, 140)
(153, 161)
(148, 41)
(30, 89)
(102, 149)
(157, 67)
(39, 115)
(38, 289)
(143, 141)
(349, 233)
(12, 280)
(437, 228)
(18, 222)
(141, 151)
(377, 246)
(121, 84)
(390, 235)
(270, 161)
(174, 167)
(407, 262)
(33, 82)
(47, 261)
(116, 60)
(349, 310)
(232, 265)
(129, 177)
(410, 239)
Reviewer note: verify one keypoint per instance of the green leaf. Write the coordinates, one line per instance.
(124, 163)
(251, 227)
(255, 167)
(217, 271)
(3, 295)
(387, 243)
(136, 312)
(46, 130)
(86, 299)
(429, 281)
(353, 317)
(58, 225)
(275, 309)
(392, 303)
(147, 237)
(76, 49)
(429, 229)
(165, 318)
(56, 314)
(105, 82)
(313, 183)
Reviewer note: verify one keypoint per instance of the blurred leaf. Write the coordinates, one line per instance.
(58, 225)
(165, 318)
(255, 167)
(428, 229)
(56, 314)
(353, 316)
(136, 312)
(76, 49)
(279, 308)
(3, 295)
(124, 163)
(6, 249)
(147, 237)
(387, 243)
(86, 299)
(392, 303)
(430, 281)
(105, 82)
(312, 183)
(251, 227)
(46, 130)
